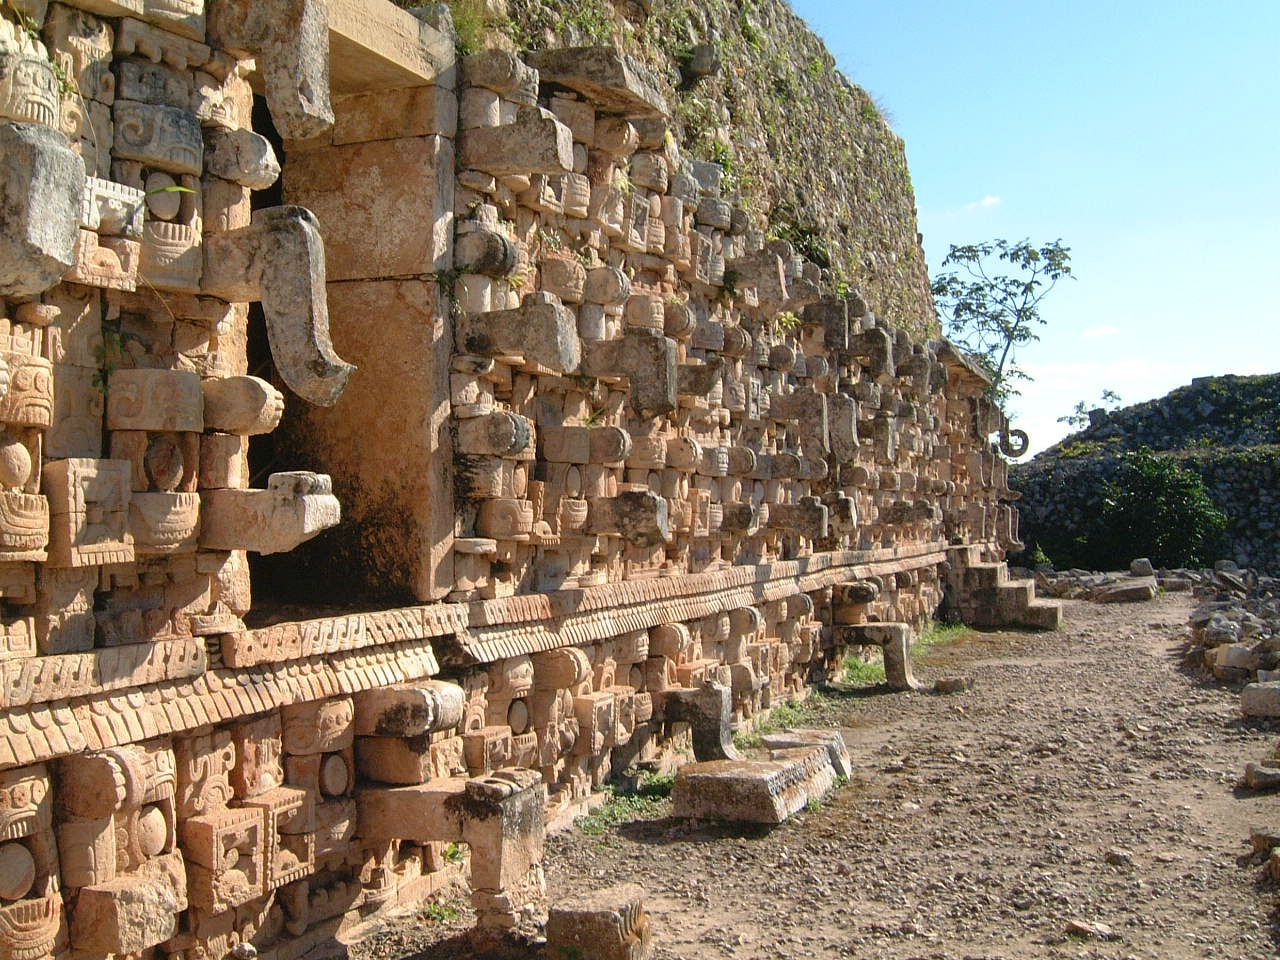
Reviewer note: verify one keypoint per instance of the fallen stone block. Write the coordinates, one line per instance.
(1142, 567)
(1087, 930)
(609, 924)
(1259, 776)
(1261, 700)
(1264, 839)
(1240, 656)
(753, 791)
(830, 739)
(1128, 592)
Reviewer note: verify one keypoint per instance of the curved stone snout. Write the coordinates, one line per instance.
(294, 508)
(279, 260)
(290, 41)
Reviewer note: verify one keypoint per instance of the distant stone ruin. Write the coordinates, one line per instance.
(590, 443)
(1225, 429)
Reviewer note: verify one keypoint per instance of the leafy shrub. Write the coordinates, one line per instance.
(1156, 508)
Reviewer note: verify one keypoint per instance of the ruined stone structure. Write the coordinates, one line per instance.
(1224, 429)
(596, 441)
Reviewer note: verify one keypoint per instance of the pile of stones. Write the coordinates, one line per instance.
(1236, 631)
(1139, 584)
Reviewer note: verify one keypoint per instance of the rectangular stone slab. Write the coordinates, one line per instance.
(612, 81)
(830, 739)
(374, 45)
(753, 791)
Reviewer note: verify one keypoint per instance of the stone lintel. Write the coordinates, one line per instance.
(375, 45)
(613, 81)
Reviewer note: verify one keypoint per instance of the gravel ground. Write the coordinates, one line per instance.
(1086, 777)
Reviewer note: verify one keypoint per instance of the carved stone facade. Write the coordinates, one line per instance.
(601, 443)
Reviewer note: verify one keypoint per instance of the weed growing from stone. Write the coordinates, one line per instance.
(649, 801)
(870, 673)
(440, 913)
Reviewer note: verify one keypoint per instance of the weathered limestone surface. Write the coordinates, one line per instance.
(400, 521)
(384, 207)
(40, 185)
(558, 462)
(754, 791)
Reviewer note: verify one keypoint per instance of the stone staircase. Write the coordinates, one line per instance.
(986, 597)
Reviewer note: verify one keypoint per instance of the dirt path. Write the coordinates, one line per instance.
(1086, 776)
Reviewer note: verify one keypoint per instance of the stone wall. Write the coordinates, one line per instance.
(1227, 411)
(1061, 499)
(602, 446)
(808, 154)
(1226, 429)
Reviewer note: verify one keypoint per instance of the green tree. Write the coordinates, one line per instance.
(1157, 508)
(991, 313)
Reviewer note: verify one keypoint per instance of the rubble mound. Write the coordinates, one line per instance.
(1222, 429)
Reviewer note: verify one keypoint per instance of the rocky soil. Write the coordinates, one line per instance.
(1087, 782)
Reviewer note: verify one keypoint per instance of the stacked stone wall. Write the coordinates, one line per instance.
(810, 155)
(598, 440)
(1062, 499)
(1226, 429)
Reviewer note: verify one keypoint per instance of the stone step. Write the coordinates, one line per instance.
(1016, 595)
(1042, 615)
(987, 575)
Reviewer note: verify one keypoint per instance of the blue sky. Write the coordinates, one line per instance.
(1146, 135)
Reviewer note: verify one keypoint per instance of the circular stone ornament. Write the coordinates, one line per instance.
(17, 871)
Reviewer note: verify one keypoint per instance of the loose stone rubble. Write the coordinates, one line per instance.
(1139, 584)
(1236, 630)
(615, 476)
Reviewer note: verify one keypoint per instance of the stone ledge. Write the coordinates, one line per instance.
(510, 627)
(375, 45)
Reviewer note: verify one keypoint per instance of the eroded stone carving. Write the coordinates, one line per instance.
(41, 185)
(279, 260)
(290, 41)
(293, 508)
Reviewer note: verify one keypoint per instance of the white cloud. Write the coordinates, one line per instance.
(990, 200)
(1105, 330)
